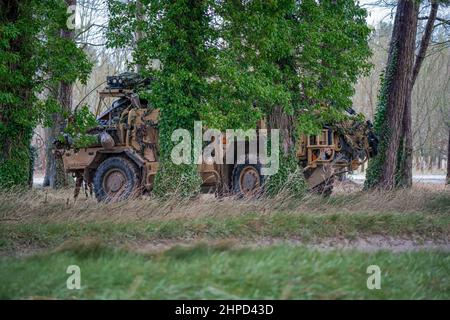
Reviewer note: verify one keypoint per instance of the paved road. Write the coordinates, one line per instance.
(423, 178)
(38, 181)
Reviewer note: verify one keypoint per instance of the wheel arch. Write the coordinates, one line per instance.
(102, 155)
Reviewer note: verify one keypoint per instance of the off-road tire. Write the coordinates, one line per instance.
(116, 179)
(246, 172)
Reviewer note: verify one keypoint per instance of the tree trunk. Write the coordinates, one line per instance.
(49, 159)
(138, 33)
(439, 161)
(400, 68)
(430, 163)
(279, 119)
(405, 174)
(448, 158)
(290, 178)
(417, 160)
(55, 177)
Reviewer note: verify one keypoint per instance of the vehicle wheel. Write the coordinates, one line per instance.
(116, 179)
(325, 188)
(247, 180)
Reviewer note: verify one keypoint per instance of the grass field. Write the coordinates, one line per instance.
(227, 248)
(219, 272)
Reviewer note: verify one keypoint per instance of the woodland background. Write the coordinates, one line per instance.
(430, 98)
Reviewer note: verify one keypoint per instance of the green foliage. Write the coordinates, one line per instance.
(180, 31)
(229, 63)
(289, 180)
(15, 170)
(33, 57)
(305, 56)
(182, 83)
(249, 56)
(81, 120)
(33, 156)
(79, 123)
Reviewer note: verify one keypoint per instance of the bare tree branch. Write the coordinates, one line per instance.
(425, 40)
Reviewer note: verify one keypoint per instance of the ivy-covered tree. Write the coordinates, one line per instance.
(394, 94)
(404, 169)
(55, 176)
(33, 57)
(177, 33)
(181, 31)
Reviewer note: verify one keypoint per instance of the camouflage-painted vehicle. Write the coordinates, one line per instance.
(124, 160)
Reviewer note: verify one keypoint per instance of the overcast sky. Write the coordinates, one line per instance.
(376, 13)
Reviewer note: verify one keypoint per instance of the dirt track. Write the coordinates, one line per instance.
(368, 244)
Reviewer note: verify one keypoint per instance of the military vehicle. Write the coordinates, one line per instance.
(124, 160)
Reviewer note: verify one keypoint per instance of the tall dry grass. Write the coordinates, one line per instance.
(44, 205)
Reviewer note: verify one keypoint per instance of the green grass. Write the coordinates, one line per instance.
(205, 272)
(305, 227)
(41, 236)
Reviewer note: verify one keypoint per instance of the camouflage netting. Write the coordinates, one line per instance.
(355, 133)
